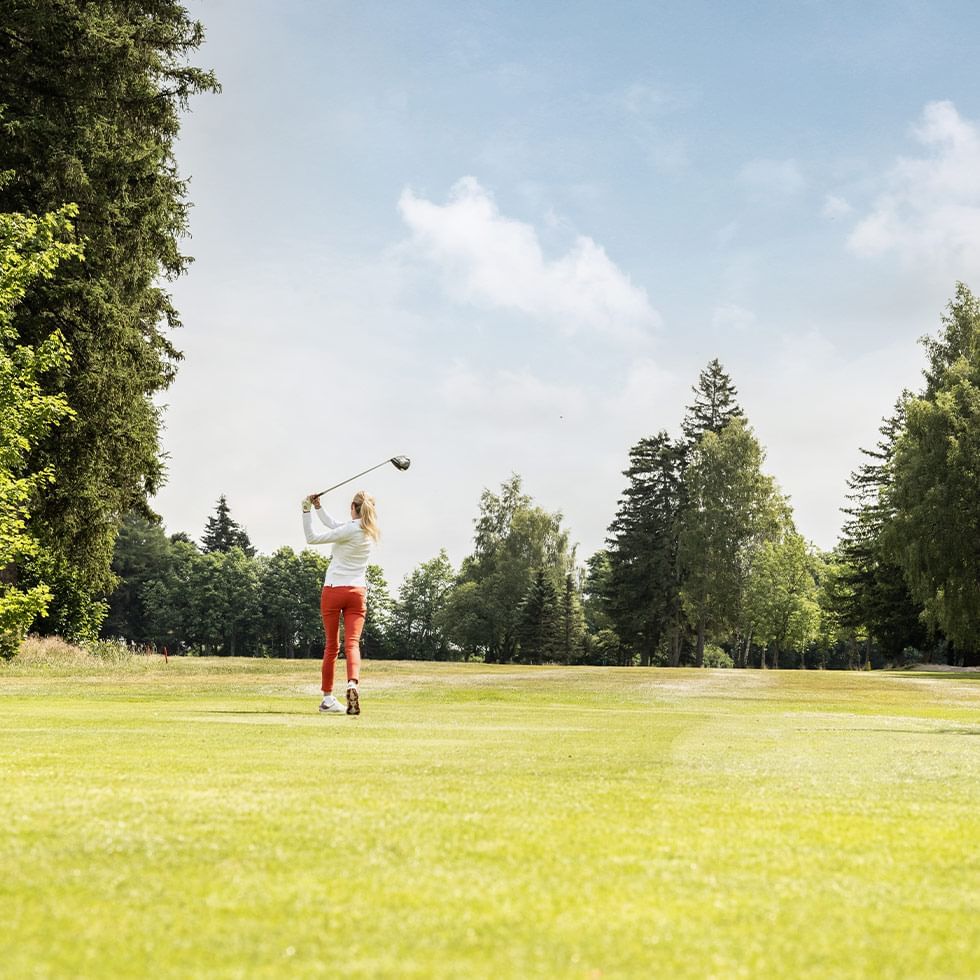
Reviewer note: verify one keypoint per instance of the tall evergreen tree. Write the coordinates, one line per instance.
(936, 475)
(222, 532)
(571, 625)
(873, 595)
(91, 96)
(714, 403)
(644, 587)
(539, 626)
(142, 554)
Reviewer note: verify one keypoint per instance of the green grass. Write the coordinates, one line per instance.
(199, 818)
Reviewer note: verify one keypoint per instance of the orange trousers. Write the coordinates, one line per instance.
(351, 600)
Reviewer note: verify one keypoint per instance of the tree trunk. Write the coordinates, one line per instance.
(675, 648)
(699, 650)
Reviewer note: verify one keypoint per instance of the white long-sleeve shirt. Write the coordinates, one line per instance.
(351, 548)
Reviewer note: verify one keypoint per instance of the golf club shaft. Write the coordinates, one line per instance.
(352, 478)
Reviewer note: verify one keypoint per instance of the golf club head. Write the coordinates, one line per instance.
(401, 462)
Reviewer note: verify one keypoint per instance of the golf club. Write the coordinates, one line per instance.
(399, 462)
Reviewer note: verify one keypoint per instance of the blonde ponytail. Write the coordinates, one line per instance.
(365, 510)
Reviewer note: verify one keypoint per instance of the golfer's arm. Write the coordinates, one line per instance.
(325, 537)
(326, 518)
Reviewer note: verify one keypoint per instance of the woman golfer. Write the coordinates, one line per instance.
(344, 589)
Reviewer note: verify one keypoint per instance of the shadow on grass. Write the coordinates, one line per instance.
(241, 711)
(917, 731)
(937, 675)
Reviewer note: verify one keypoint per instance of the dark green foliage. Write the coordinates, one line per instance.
(170, 604)
(714, 403)
(677, 547)
(418, 627)
(538, 627)
(289, 602)
(171, 594)
(642, 587)
(571, 622)
(514, 541)
(596, 592)
(222, 532)
(935, 488)
(143, 554)
(873, 593)
(375, 636)
(91, 96)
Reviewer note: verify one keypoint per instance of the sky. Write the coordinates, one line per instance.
(506, 237)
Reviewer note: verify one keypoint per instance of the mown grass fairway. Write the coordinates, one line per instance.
(200, 818)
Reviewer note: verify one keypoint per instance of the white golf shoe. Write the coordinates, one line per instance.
(353, 700)
(330, 705)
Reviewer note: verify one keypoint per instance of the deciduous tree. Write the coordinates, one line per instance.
(513, 540)
(730, 507)
(30, 250)
(417, 623)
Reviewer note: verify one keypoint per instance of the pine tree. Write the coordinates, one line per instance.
(539, 626)
(222, 532)
(875, 596)
(644, 596)
(714, 403)
(934, 495)
(572, 624)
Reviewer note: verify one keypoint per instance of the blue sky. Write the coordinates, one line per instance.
(502, 237)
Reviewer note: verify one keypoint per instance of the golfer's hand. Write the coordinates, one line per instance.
(307, 504)
(315, 500)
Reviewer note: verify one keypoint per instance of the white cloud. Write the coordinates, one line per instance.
(731, 317)
(928, 208)
(814, 404)
(766, 179)
(835, 207)
(489, 259)
(647, 396)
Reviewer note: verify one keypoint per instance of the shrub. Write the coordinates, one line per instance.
(714, 656)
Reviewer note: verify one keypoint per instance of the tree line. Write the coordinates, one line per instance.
(703, 563)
